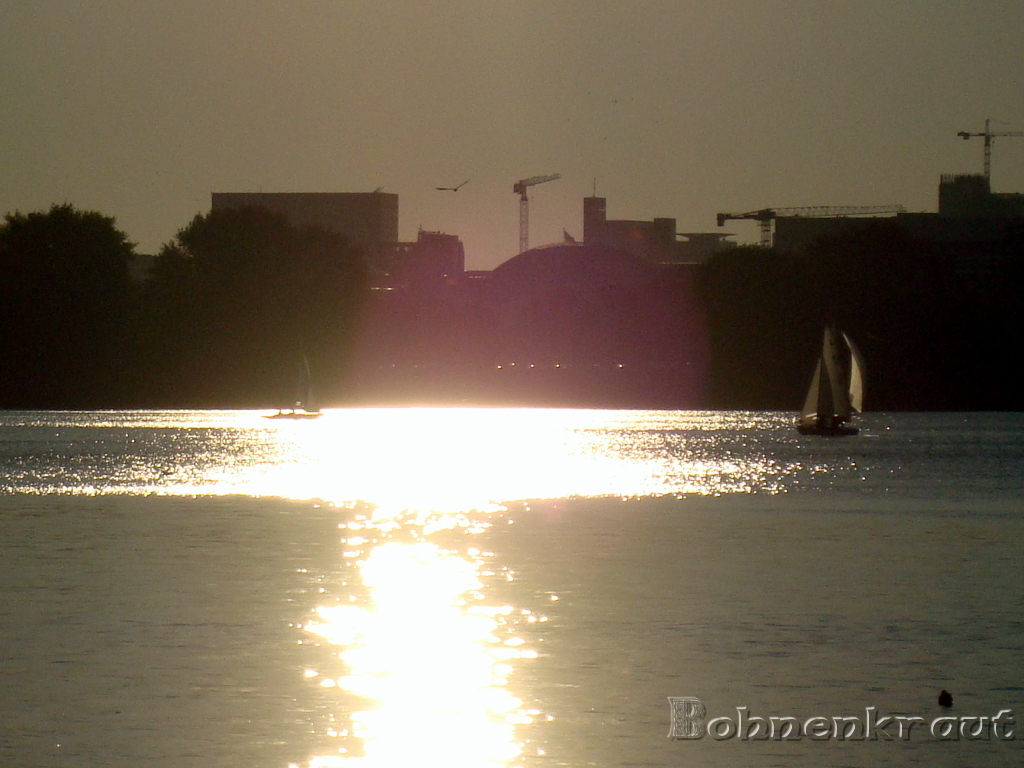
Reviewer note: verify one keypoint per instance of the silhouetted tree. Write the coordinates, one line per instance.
(758, 326)
(933, 337)
(238, 297)
(985, 328)
(894, 294)
(65, 309)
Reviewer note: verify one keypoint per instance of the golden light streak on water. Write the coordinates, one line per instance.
(425, 656)
(400, 460)
(454, 459)
(431, 662)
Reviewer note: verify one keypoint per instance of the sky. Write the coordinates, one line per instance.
(668, 108)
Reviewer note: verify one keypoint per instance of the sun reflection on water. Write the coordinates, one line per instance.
(428, 662)
(457, 459)
(399, 459)
(429, 658)
(425, 655)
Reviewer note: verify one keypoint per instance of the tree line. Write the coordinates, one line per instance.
(234, 301)
(227, 311)
(937, 323)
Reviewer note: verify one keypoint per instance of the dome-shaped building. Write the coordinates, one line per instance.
(567, 325)
(593, 325)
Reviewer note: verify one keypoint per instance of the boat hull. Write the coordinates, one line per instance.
(294, 415)
(823, 430)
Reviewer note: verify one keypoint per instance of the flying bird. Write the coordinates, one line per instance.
(452, 189)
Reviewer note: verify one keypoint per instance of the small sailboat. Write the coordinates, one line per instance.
(304, 407)
(837, 388)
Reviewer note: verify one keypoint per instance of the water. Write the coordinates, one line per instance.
(492, 587)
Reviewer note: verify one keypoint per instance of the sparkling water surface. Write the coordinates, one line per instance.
(466, 458)
(499, 587)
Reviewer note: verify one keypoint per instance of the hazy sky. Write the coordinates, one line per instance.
(675, 108)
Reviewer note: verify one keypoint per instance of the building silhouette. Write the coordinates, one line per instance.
(970, 196)
(431, 259)
(975, 229)
(568, 324)
(654, 240)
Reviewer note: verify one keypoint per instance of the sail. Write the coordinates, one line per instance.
(810, 410)
(856, 376)
(837, 388)
(304, 390)
(837, 401)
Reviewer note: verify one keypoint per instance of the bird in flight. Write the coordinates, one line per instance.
(453, 189)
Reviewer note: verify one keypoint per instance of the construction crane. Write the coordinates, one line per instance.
(766, 216)
(988, 134)
(520, 188)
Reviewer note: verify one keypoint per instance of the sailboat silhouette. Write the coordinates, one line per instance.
(304, 406)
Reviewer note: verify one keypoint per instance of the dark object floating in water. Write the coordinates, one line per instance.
(945, 699)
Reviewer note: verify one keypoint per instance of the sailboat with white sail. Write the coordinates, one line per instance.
(837, 388)
(304, 407)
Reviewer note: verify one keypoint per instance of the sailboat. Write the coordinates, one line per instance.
(304, 407)
(837, 388)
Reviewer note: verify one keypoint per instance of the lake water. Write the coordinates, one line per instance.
(493, 588)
